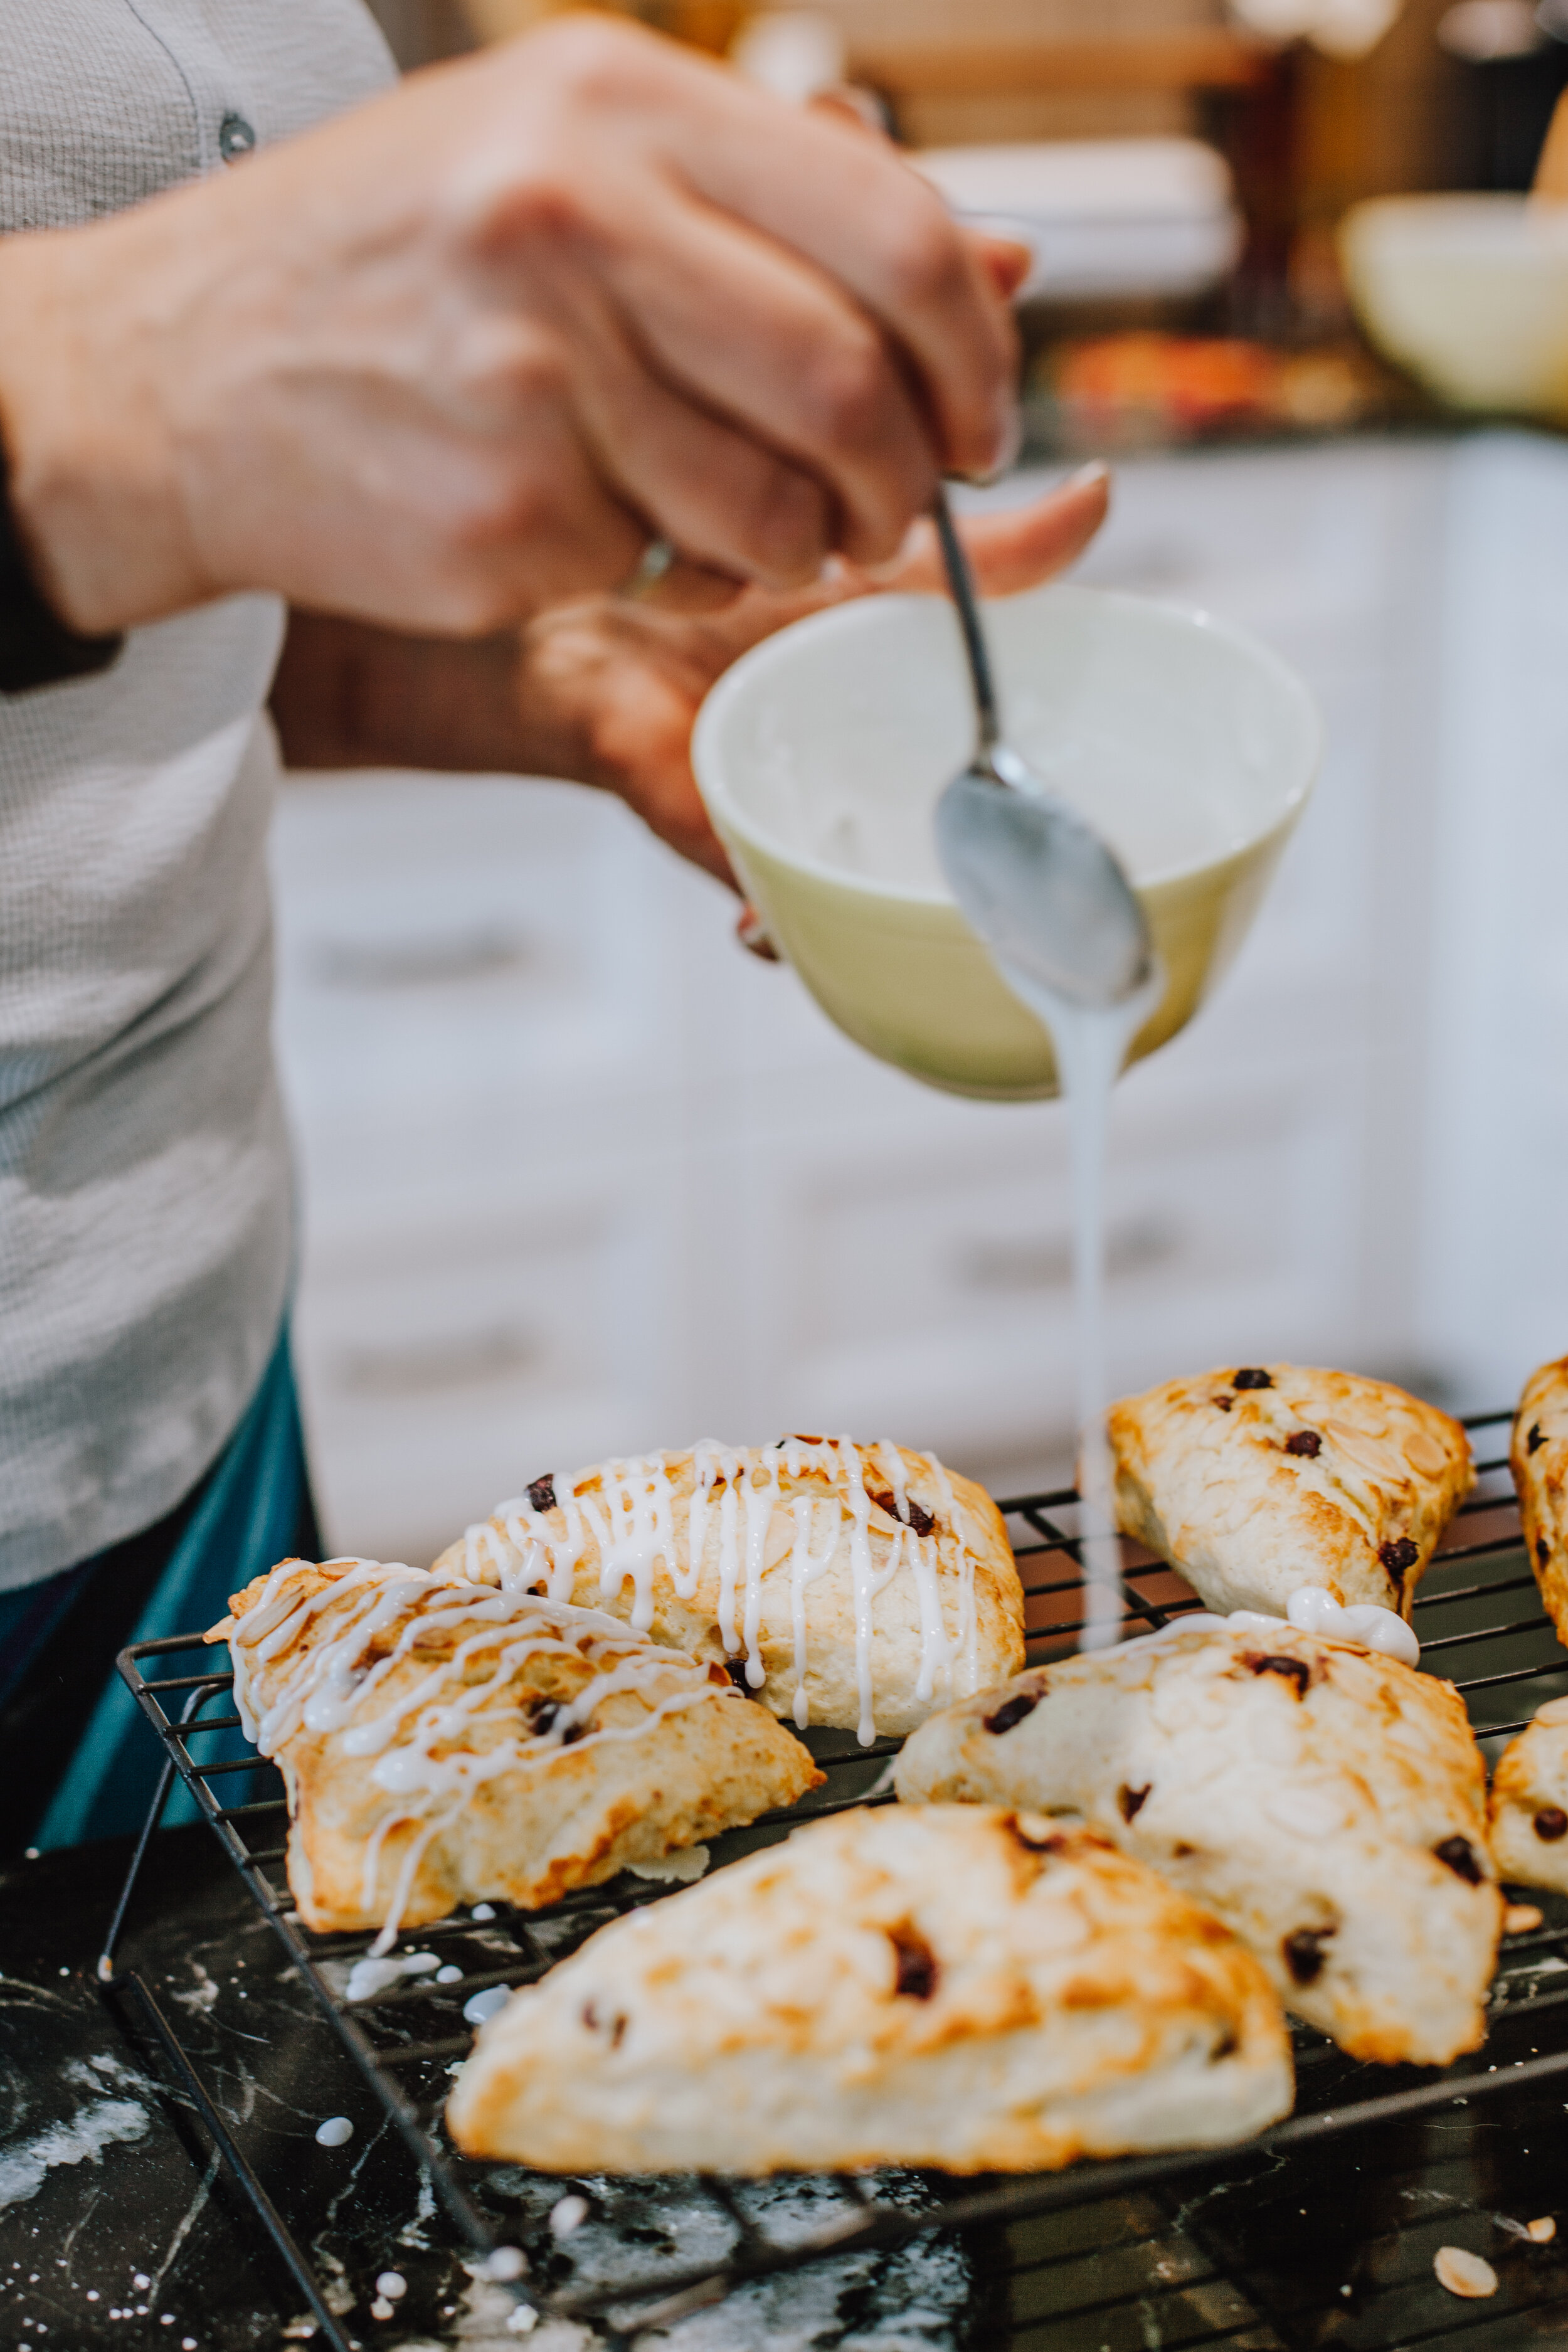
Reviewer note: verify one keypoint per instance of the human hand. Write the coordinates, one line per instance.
(459, 353)
(610, 688)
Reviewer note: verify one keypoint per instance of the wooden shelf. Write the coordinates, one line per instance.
(1177, 61)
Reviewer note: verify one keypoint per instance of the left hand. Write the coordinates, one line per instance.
(611, 688)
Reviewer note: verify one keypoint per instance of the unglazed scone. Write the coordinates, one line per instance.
(862, 1585)
(1538, 1456)
(1528, 1810)
(1256, 1481)
(973, 1990)
(442, 1745)
(1328, 1803)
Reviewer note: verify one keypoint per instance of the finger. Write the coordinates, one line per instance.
(727, 501)
(688, 587)
(1006, 262)
(1016, 548)
(798, 365)
(851, 205)
(856, 109)
(752, 932)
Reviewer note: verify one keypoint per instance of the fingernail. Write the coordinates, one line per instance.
(1009, 438)
(1086, 477)
(752, 932)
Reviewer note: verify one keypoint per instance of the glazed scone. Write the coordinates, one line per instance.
(1327, 1804)
(972, 1989)
(861, 1585)
(1256, 1481)
(441, 1745)
(1538, 1456)
(1528, 1810)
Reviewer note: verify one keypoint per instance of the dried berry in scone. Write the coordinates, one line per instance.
(1328, 1802)
(1258, 1479)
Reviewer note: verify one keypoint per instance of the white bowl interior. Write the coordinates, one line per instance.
(1180, 738)
(1490, 230)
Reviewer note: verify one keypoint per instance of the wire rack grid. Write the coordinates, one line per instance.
(1481, 1623)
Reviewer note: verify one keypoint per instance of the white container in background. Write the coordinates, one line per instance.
(1105, 216)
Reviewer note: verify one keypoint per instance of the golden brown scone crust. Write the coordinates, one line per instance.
(1207, 1477)
(1528, 1810)
(942, 1985)
(821, 1512)
(504, 1760)
(1328, 1803)
(1538, 1456)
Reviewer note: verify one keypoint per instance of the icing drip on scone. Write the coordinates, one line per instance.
(429, 1762)
(1313, 1608)
(745, 1516)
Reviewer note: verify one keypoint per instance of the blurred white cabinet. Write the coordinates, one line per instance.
(1494, 1144)
(580, 1176)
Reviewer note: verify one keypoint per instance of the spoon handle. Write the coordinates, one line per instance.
(960, 581)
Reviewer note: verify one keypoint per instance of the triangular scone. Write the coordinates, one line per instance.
(1528, 1810)
(1257, 1481)
(1327, 1804)
(1538, 1456)
(442, 1745)
(971, 1989)
(862, 1585)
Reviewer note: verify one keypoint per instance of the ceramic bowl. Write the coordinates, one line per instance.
(1470, 293)
(821, 753)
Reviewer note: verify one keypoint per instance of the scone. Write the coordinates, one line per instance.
(442, 1745)
(1327, 1804)
(860, 1585)
(1538, 1456)
(1528, 1810)
(1256, 1481)
(973, 1989)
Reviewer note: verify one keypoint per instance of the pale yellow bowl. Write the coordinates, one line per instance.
(1469, 292)
(821, 754)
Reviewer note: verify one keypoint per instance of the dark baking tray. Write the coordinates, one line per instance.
(1480, 1622)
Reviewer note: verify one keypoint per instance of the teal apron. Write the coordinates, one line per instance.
(252, 1508)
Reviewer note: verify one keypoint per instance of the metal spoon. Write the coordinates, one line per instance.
(1046, 895)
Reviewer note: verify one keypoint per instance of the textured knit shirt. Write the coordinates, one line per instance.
(145, 1196)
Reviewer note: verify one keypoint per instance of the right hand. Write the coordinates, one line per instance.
(457, 354)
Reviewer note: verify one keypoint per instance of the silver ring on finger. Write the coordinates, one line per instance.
(651, 566)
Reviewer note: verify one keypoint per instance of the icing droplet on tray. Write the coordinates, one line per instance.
(480, 2005)
(335, 2132)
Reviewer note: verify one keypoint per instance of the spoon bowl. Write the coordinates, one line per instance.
(1043, 891)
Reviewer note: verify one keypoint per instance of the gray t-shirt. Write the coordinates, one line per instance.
(145, 1217)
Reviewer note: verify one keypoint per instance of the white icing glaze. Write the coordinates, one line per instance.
(628, 1508)
(677, 1869)
(1315, 1611)
(1312, 1608)
(422, 1762)
(369, 1977)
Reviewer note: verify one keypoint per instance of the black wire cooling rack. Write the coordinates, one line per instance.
(1478, 1618)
